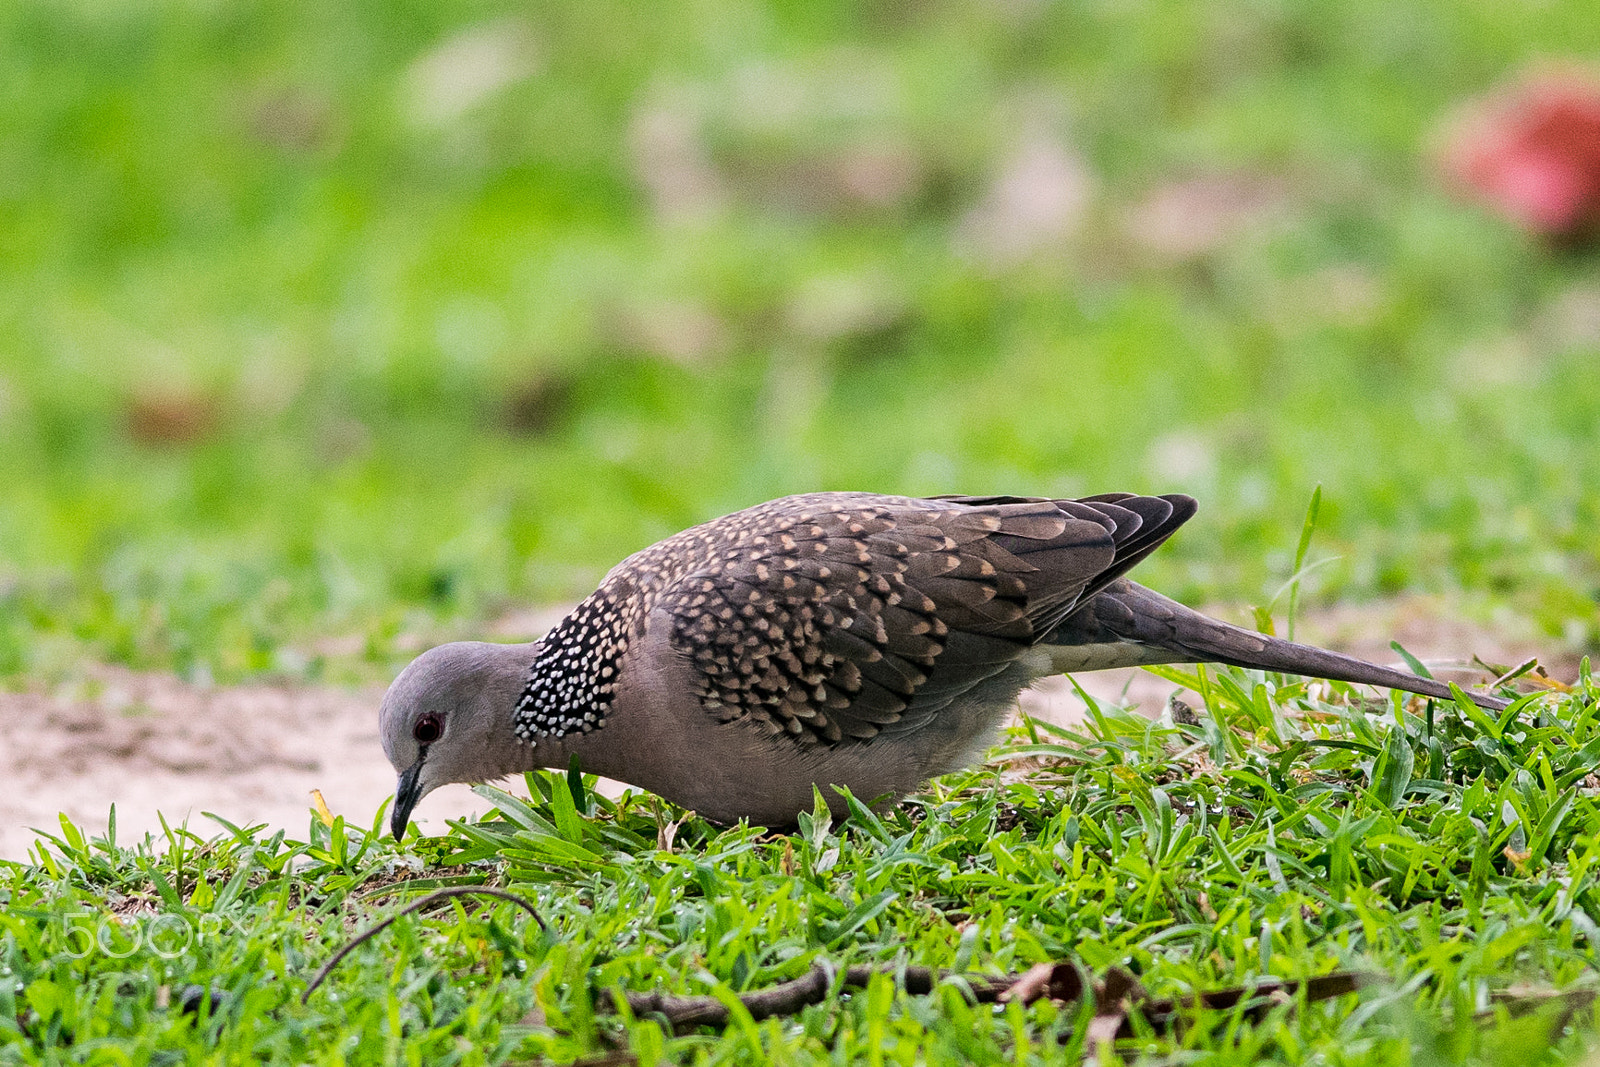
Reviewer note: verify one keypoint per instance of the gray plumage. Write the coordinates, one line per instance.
(828, 639)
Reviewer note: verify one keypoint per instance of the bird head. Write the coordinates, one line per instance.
(447, 718)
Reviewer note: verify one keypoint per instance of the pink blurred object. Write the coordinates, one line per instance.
(1532, 153)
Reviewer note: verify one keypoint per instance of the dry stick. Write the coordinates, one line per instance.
(1518, 1003)
(785, 998)
(788, 997)
(416, 905)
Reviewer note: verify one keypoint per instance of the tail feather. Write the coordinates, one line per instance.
(1163, 631)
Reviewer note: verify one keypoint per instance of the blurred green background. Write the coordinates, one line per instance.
(322, 325)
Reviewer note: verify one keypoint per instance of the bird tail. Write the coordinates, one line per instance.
(1167, 632)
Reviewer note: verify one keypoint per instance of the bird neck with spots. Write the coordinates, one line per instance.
(576, 668)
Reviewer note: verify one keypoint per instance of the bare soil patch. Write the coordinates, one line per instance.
(153, 743)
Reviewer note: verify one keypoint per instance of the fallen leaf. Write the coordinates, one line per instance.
(320, 807)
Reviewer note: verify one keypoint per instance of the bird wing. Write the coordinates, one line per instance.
(833, 617)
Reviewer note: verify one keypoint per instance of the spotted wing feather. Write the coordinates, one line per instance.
(835, 617)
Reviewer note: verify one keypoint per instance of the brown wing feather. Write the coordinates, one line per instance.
(832, 617)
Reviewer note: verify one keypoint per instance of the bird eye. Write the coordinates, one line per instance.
(427, 730)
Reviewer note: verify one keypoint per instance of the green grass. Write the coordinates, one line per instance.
(1456, 854)
(287, 355)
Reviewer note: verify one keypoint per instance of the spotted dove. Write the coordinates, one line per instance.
(829, 639)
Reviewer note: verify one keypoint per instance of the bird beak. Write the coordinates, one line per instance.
(406, 795)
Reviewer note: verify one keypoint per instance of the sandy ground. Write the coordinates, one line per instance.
(252, 754)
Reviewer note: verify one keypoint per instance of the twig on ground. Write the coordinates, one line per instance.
(416, 905)
(1114, 996)
(1518, 1002)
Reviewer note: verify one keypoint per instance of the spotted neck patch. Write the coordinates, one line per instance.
(573, 679)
